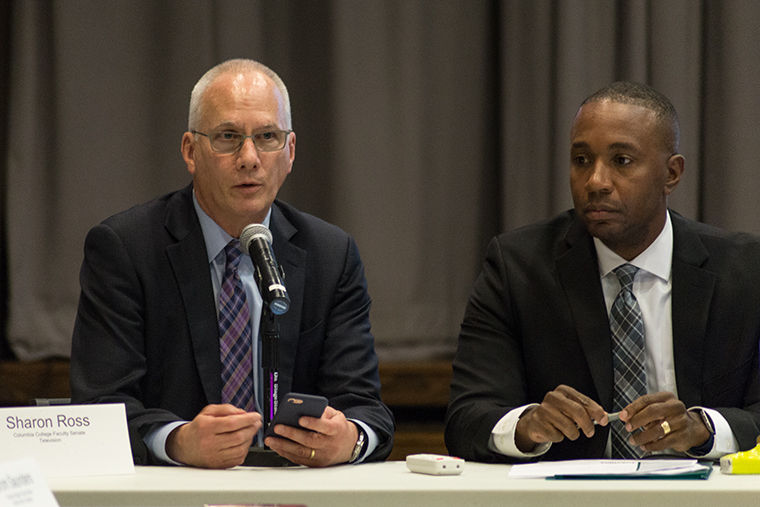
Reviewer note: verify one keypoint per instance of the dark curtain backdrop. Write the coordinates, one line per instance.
(5, 43)
(424, 128)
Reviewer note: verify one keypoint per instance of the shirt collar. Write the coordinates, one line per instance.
(215, 237)
(656, 259)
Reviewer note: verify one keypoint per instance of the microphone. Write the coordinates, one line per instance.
(257, 241)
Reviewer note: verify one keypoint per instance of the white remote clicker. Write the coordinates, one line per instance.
(434, 464)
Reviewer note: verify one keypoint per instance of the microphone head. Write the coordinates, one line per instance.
(252, 231)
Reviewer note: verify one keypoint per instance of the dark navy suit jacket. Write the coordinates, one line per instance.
(146, 329)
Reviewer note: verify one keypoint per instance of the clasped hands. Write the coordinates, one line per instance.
(220, 436)
(656, 421)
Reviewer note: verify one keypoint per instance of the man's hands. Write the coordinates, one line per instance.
(218, 437)
(648, 412)
(331, 440)
(565, 413)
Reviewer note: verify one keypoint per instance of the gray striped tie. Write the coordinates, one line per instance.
(627, 326)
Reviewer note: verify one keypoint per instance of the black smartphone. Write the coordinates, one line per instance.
(293, 406)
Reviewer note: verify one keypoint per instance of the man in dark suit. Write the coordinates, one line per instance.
(147, 332)
(534, 374)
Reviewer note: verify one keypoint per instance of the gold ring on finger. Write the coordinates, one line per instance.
(314, 451)
(665, 428)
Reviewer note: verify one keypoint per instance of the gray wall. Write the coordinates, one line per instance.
(424, 128)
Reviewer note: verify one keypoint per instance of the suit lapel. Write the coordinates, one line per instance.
(189, 263)
(292, 259)
(579, 276)
(692, 294)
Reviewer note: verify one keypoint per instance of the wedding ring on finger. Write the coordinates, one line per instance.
(314, 451)
(665, 428)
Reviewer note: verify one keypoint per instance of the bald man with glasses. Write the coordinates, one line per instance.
(169, 312)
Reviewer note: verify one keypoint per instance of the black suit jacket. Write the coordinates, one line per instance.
(536, 319)
(146, 329)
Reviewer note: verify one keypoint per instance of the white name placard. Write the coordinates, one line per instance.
(22, 484)
(68, 440)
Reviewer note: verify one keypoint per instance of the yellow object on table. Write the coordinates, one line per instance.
(744, 462)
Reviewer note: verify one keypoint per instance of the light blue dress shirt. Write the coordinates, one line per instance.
(216, 239)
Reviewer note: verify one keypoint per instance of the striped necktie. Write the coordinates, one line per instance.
(235, 334)
(627, 326)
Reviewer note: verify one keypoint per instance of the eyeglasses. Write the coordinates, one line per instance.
(229, 141)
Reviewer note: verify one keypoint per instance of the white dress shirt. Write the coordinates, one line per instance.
(652, 287)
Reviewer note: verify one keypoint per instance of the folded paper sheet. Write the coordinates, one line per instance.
(612, 469)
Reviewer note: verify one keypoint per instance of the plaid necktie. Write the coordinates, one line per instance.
(235, 335)
(627, 326)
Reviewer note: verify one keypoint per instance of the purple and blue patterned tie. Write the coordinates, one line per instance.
(235, 334)
(627, 326)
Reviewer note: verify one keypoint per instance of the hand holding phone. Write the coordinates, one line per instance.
(292, 407)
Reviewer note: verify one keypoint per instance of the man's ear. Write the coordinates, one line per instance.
(676, 167)
(188, 151)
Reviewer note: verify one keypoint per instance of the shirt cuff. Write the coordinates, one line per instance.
(372, 441)
(502, 438)
(155, 439)
(724, 441)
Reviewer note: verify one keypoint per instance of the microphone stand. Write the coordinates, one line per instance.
(270, 337)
